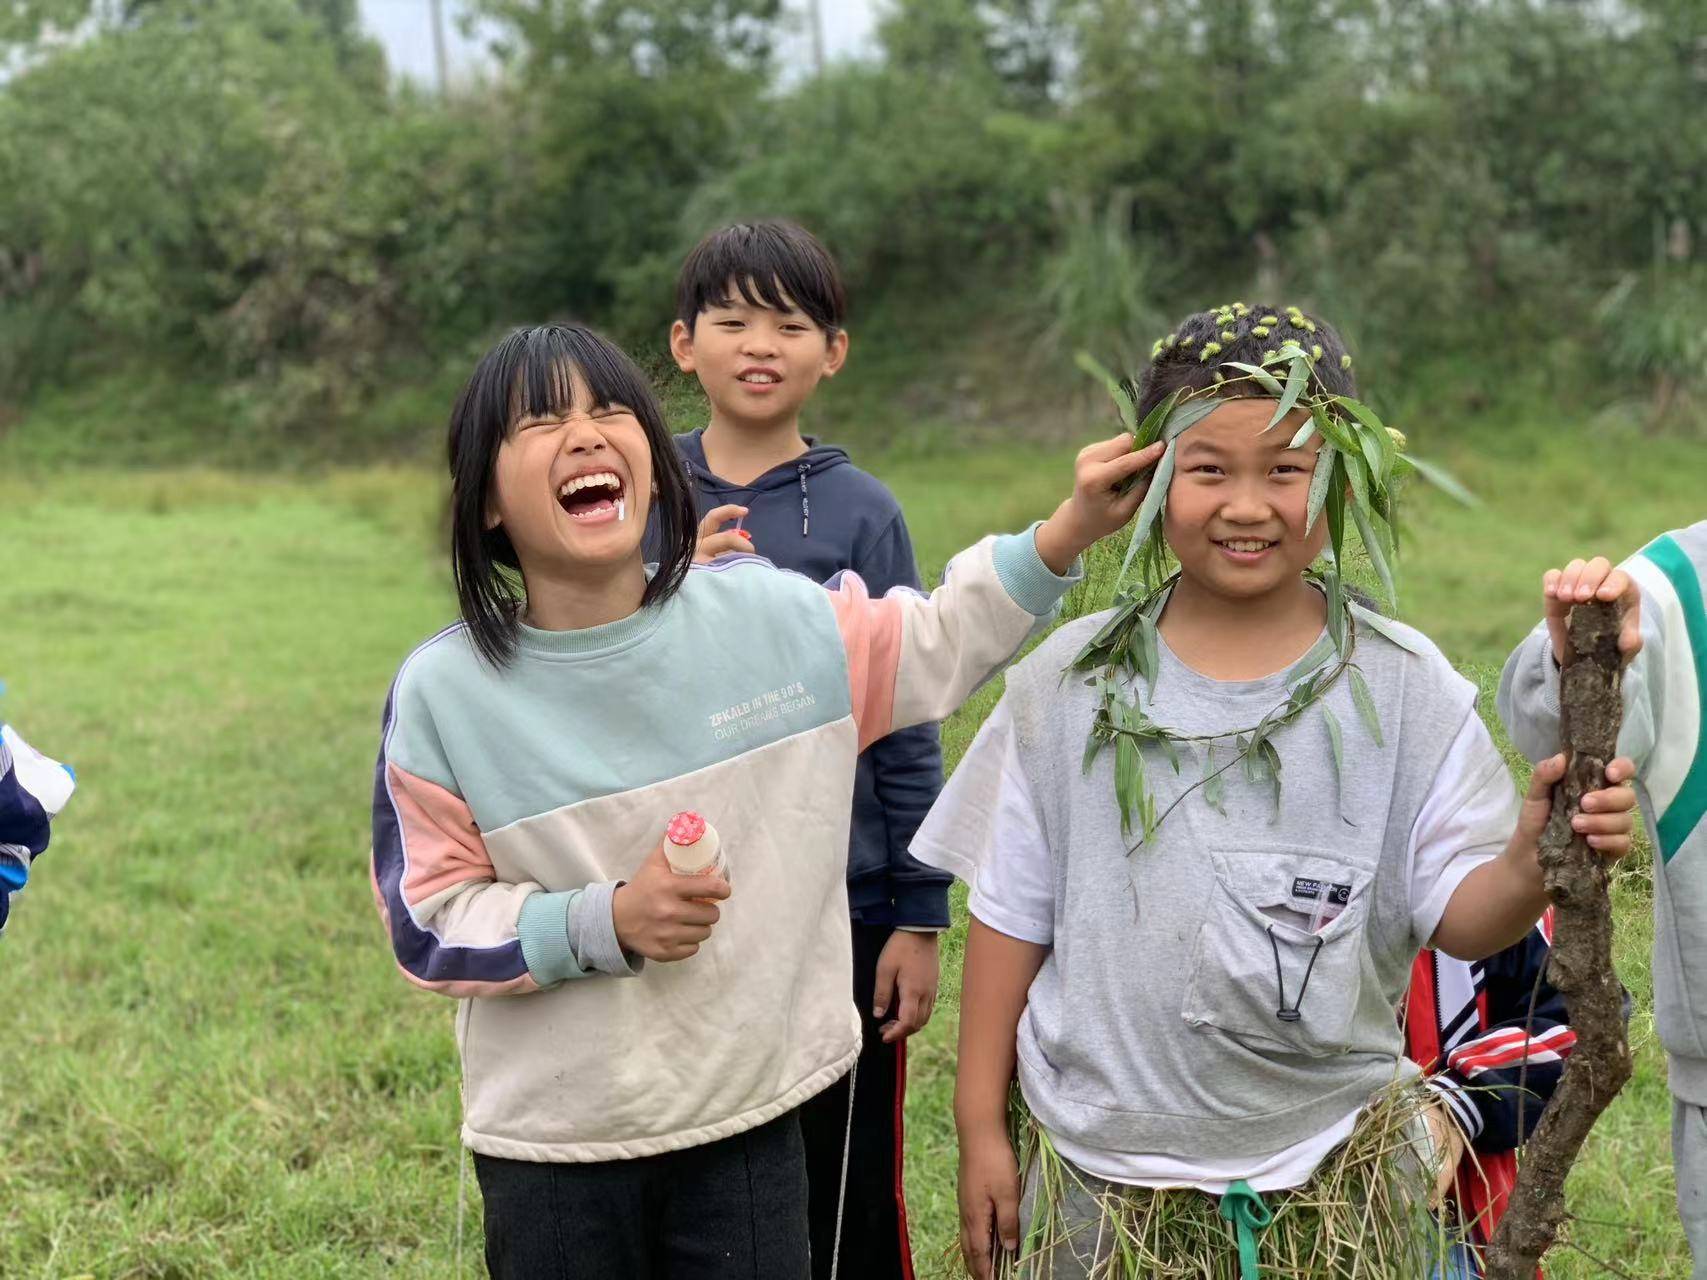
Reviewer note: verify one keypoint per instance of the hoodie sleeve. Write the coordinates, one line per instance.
(33, 789)
(906, 765)
(915, 658)
(455, 927)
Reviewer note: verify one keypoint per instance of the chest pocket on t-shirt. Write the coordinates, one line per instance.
(1279, 957)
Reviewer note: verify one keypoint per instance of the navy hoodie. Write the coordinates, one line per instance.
(818, 515)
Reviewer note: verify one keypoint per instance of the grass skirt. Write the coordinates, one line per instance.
(1364, 1214)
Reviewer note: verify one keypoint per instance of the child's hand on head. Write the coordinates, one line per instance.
(1581, 581)
(1097, 507)
(906, 983)
(661, 915)
(714, 542)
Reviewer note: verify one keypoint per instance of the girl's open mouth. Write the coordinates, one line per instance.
(593, 498)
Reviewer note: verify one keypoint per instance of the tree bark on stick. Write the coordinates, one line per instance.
(1581, 966)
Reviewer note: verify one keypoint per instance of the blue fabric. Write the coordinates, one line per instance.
(25, 819)
(1459, 1264)
(820, 515)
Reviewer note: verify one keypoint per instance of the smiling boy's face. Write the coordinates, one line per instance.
(757, 364)
(1238, 500)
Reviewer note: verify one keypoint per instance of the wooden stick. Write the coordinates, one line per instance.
(1581, 964)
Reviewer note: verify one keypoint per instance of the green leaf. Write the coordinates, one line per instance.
(1254, 763)
(1335, 507)
(1149, 510)
(1128, 781)
(1169, 750)
(1357, 471)
(1093, 748)
(1215, 792)
(1336, 741)
(1296, 378)
(1369, 444)
(1378, 429)
(1320, 478)
(1271, 766)
(1442, 479)
(1303, 434)
(1150, 430)
(1372, 544)
(1336, 431)
(1314, 660)
(1122, 397)
(1365, 704)
(1149, 643)
(1376, 622)
(1336, 611)
(1111, 629)
(1189, 415)
(1266, 380)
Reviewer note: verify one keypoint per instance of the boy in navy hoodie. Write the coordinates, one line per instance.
(759, 312)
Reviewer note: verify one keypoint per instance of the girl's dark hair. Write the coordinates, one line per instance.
(532, 372)
(765, 261)
(1181, 363)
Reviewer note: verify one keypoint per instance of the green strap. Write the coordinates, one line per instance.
(1244, 1208)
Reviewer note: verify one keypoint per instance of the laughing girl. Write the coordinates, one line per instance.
(631, 1119)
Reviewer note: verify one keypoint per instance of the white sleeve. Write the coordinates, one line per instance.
(1465, 820)
(984, 829)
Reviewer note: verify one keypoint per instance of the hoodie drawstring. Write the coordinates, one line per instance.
(805, 500)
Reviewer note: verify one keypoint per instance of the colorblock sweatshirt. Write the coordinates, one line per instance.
(33, 789)
(509, 804)
(1665, 734)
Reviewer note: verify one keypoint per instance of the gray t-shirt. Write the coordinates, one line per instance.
(1153, 1028)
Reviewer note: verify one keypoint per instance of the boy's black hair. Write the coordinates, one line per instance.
(1180, 362)
(768, 262)
(532, 372)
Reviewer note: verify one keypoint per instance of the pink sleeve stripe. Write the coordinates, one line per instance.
(871, 635)
(455, 989)
(445, 848)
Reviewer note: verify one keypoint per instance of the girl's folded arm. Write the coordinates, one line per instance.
(454, 926)
(914, 658)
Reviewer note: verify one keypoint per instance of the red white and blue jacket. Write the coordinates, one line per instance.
(1493, 1036)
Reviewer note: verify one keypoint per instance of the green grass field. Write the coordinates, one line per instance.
(210, 1065)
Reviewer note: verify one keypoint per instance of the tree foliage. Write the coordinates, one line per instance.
(236, 188)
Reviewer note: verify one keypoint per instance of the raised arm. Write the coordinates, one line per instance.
(915, 658)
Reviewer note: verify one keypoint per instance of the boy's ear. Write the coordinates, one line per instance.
(681, 345)
(837, 354)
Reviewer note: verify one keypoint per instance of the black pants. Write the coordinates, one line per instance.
(728, 1210)
(874, 1216)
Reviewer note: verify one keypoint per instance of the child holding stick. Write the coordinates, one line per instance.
(1190, 934)
(1664, 639)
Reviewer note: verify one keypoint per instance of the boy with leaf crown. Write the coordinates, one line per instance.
(1206, 834)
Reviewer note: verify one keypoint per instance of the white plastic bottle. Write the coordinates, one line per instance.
(692, 847)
